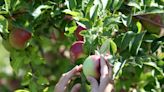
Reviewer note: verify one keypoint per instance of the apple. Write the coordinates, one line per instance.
(77, 33)
(19, 37)
(68, 18)
(76, 50)
(151, 28)
(91, 66)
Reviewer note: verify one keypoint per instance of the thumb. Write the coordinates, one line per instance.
(93, 83)
(76, 88)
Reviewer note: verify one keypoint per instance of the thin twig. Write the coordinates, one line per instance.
(150, 21)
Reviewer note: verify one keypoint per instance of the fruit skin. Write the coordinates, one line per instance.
(18, 38)
(91, 66)
(151, 28)
(76, 50)
(77, 33)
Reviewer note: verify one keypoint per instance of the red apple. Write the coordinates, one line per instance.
(77, 33)
(76, 50)
(91, 66)
(19, 37)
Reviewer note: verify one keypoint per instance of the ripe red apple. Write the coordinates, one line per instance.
(19, 37)
(77, 33)
(76, 50)
(91, 66)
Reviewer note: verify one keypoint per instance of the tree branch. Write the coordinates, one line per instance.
(150, 21)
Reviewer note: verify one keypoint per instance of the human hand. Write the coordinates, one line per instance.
(61, 86)
(106, 83)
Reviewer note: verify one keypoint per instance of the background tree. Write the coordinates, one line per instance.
(129, 32)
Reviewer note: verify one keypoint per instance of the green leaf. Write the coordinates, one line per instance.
(156, 44)
(7, 5)
(113, 47)
(127, 38)
(93, 12)
(88, 7)
(73, 13)
(42, 81)
(3, 24)
(105, 46)
(139, 26)
(72, 4)
(105, 3)
(27, 78)
(33, 86)
(16, 63)
(21, 90)
(134, 4)
(137, 43)
(154, 65)
(117, 4)
(70, 28)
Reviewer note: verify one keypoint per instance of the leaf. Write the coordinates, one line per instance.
(127, 38)
(7, 5)
(33, 86)
(42, 81)
(72, 4)
(73, 13)
(137, 43)
(38, 11)
(105, 3)
(117, 4)
(156, 44)
(21, 90)
(70, 28)
(134, 4)
(139, 26)
(118, 68)
(93, 12)
(105, 46)
(16, 63)
(154, 65)
(27, 78)
(88, 6)
(3, 24)
(113, 47)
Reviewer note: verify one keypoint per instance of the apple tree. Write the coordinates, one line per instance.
(46, 38)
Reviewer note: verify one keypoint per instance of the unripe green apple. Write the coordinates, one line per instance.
(77, 33)
(76, 50)
(91, 66)
(19, 37)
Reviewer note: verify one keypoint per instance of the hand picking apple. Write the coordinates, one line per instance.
(99, 73)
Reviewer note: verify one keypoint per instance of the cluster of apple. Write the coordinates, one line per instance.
(91, 65)
(76, 50)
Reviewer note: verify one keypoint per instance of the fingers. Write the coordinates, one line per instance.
(106, 74)
(65, 79)
(104, 68)
(76, 88)
(109, 88)
(93, 83)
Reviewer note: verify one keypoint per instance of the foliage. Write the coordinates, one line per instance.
(131, 30)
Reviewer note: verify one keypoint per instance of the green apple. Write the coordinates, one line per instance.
(91, 66)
